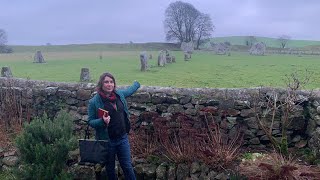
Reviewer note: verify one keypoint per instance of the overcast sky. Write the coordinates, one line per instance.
(37, 22)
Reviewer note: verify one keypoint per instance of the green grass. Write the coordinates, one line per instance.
(270, 42)
(204, 70)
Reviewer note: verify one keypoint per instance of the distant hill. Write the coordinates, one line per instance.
(238, 42)
(98, 47)
(270, 42)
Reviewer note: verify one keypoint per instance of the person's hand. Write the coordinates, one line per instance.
(106, 118)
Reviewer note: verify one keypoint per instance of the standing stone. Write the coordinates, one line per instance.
(221, 48)
(185, 56)
(6, 72)
(187, 48)
(258, 48)
(38, 58)
(150, 56)
(85, 75)
(168, 59)
(173, 59)
(144, 61)
(162, 58)
(100, 56)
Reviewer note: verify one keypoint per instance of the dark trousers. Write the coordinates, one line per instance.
(121, 148)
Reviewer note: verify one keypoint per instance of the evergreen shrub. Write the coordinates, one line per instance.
(44, 145)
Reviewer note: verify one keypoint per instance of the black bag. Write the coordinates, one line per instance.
(93, 151)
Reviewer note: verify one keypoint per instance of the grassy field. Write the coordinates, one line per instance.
(270, 42)
(204, 70)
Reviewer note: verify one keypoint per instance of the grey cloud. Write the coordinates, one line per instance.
(82, 21)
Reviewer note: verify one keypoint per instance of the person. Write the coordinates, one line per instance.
(115, 125)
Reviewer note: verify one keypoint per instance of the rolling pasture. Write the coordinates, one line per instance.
(205, 69)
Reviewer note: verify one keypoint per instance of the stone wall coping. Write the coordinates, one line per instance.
(220, 93)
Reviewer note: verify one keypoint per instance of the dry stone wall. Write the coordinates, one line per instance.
(51, 97)
(233, 104)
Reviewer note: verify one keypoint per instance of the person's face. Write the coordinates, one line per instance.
(108, 85)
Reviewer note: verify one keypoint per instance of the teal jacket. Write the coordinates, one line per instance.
(96, 102)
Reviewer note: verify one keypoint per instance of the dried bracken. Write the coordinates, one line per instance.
(275, 166)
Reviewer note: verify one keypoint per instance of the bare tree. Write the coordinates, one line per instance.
(250, 40)
(268, 107)
(3, 37)
(3, 42)
(204, 28)
(283, 40)
(180, 21)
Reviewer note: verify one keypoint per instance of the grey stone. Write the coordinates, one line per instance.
(297, 123)
(264, 138)
(198, 101)
(51, 90)
(144, 61)
(85, 75)
(185, 99)
(212, 102)
(183, 171)
(38, 58)
(248, 134)
(318, 109)
(314, 142)
(141, 97)
(162, 58)
(162, 108)
(159, 98)
(241, 104)
(258, 48)
(10, 160)
(222, 176)
(72, 101)
(175, 108)
(138, 106)
(64, 93)
(172, 173)
(296, 138)
(220, 48)
(195, 167)
(260, 133)
(188, 106)
(275, 132)
(211, 175)
(317, 119)
(254, 141)
(233, 112)
(251, 122)
(172, 99)
(161, 172)
(83, 94)
(311, 127)
(191, 111)
(6, 72)
(150, 171)
(247, 112)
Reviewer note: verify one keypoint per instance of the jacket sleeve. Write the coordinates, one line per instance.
(92, 116)
(131, 89)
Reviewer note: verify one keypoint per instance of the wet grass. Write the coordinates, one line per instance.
(204, 69)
